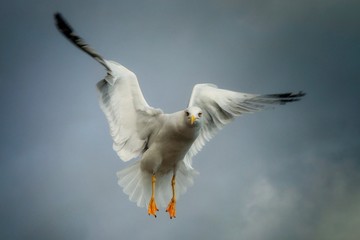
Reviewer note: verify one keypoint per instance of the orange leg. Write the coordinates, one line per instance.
(171, 209)
(152, 209)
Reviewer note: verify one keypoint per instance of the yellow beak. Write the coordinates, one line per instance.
(192, 119)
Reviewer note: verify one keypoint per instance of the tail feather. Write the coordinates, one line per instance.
(184, 178)
(137, 184)
(137, 194)
(133, 182)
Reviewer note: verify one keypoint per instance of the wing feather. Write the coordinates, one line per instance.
(221, 106)
(130, 117)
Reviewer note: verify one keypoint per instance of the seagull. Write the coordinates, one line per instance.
(163, 144)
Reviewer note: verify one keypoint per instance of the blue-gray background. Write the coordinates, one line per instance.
(287, 173)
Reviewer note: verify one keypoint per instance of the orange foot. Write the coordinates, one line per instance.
(152, 209)
(171, 209)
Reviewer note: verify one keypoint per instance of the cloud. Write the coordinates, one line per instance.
(267, 211)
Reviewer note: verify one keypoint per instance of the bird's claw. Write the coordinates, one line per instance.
(152, 209)
(171, 209)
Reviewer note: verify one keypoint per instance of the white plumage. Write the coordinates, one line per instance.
(164, 143)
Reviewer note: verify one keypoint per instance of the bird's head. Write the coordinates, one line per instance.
(193, 116)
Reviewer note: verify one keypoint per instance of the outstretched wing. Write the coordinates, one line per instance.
(220, 106)
(130, 118)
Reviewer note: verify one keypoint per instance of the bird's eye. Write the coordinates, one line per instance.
(187, 113)
(199, 114)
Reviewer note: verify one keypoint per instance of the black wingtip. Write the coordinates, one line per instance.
(61, 23)
(287, 95)
(69, 33)
(283, 98)
(300, 94)
(57, 15)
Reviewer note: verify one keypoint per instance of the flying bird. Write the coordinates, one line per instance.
(164, 144)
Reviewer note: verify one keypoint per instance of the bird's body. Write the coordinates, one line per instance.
(169, 145)
(164, 143)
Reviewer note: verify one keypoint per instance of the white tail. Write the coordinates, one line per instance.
(137, 184)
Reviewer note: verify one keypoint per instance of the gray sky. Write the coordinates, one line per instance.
(288, 173)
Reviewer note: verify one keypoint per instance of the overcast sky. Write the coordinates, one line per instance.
(292, 172)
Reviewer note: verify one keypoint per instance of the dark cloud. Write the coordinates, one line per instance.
(285, 173)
